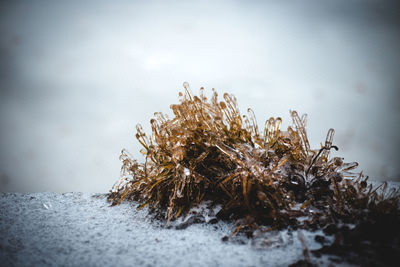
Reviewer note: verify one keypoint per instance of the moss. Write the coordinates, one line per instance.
(265, 179)
(208, 150)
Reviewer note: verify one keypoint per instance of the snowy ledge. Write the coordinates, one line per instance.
(77, 229)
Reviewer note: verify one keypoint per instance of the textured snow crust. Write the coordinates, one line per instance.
(77, 229)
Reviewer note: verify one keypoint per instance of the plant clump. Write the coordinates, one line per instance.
(261, 176)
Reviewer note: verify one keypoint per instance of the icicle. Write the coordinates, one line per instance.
(328, 144)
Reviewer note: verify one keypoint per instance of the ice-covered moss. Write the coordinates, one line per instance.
(261, 177)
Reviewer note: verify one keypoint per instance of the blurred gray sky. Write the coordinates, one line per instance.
(76, 77)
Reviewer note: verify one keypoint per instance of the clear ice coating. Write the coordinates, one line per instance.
(328, 144)
(301, 129)
(209, 151)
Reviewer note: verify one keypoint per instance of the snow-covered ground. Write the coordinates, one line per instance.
(78, 229)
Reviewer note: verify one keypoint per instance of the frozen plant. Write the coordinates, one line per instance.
(269, 177)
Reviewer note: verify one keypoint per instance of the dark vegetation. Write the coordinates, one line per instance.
(261, 177)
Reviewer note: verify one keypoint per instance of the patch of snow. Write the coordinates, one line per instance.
(77, 229)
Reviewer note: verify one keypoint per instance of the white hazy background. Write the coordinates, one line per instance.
(76, 77)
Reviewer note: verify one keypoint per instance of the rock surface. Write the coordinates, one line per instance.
(77, 229)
